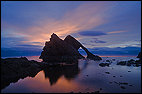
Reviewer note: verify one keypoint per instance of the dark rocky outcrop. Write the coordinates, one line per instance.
(12, 69)
(135, 63)
(122, 63)
(104, 64)
(139, 55)
(58, 50)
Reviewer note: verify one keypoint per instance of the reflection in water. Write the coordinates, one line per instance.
(74, 78)
(54, 73)
(85, 65)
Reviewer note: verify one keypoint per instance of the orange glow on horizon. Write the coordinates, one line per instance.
(71, 22)
(117, 56)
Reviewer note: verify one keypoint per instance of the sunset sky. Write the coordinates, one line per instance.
(103, 25)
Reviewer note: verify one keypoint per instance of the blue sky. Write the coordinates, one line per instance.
(96, 24)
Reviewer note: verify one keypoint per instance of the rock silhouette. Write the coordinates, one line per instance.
(13, 69)
(139, 55)
(72, 41)
(58, 50)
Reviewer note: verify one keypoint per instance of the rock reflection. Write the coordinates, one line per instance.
(13, 69)
(53, 73)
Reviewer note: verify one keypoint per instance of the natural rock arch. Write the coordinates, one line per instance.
(58, 50)
(76, 44)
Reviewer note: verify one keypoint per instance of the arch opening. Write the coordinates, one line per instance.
(82, 52)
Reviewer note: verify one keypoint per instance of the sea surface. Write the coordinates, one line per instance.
(85, 77)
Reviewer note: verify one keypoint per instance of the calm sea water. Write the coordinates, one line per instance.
(87, 76)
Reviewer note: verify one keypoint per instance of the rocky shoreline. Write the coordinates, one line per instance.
(135, 63)
(13, 69)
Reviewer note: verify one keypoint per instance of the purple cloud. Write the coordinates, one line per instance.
(92, 33)
(96, 40)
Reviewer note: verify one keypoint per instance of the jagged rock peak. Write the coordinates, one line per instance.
(72, 41)
(69, 36)
(54, 37)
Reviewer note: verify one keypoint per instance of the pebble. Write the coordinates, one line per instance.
(130, 85)
(107, 72)
(116, 82)
(123, 83)
(122, 87)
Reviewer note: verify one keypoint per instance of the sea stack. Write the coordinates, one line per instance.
(58, 50)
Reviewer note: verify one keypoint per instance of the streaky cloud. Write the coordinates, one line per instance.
(29, 46)
(116, 32)
(96, 40)
(86, 16)
(114, 18)
(92, 33)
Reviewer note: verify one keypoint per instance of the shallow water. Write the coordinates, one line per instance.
(87, 76)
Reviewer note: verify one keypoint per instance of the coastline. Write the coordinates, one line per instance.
(34, 66)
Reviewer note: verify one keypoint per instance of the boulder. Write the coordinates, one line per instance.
(104, 64)
(58, 50)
